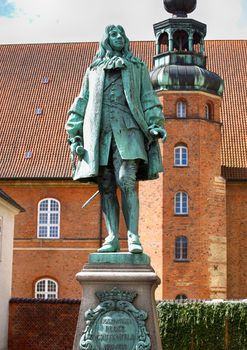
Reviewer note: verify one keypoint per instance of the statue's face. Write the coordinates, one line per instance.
(116, 39)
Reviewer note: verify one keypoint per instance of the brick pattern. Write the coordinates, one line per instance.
(60, 259)
(205, 222)
(39, 325)
(237, 240)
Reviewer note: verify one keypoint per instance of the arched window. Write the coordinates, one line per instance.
(208, 111)
(181, 297)
(46, 289)
(181, 248)
(48, 218)
(180, 40)
(181, 109)
(163, 43)
(197, 42)
(181, 155)
(181, 203)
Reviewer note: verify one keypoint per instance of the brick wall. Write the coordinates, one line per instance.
(204, 274)
(41, 324)
(58, 259)
(237, 240)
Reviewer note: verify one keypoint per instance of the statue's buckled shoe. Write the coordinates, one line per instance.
(110, 246)
(134, 245)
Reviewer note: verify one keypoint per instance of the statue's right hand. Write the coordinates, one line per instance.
(80, 151)
(76, 147)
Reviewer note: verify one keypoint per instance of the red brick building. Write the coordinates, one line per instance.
(193, 218)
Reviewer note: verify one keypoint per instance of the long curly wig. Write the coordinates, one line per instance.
(105, 51)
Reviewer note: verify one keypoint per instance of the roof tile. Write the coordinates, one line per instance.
(24, 66)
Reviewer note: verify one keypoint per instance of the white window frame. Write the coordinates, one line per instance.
(179, 198)
(207, 111)
(49, 225)
(180, 149)
(182, 242)
(46, 294)
(181, 109)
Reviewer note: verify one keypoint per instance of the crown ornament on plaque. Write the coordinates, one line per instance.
(116, 294)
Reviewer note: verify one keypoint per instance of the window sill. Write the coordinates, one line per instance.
(181, 214)
(182, 260)
(180, 166)
(48, 238)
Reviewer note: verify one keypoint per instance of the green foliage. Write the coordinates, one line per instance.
(203, 326)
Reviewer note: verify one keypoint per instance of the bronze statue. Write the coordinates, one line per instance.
(113, 127)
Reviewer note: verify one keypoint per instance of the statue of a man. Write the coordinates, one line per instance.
(113, 127)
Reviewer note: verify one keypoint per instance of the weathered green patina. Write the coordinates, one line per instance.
(115, 324)
(180, 61)
(119, 258)
(113, 128)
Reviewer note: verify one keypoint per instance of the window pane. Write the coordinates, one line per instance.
(43, 217)
(177, 156)
(184, 203)
(54, 206)
(44, 205)
(42, 231)
(184, 156)
(40, 296)
(41, 286)
(177, 250)
(51, 296)
(54, 231)
(177, 208)
(184, 247)
(181, 248)
(54, 218)
(51, 286)
(181, 110)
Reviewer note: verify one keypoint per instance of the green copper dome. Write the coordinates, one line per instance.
(175, 77)
(180, 60)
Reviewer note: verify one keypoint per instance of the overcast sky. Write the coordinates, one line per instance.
(36, 21)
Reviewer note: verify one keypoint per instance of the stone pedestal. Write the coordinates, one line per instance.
(105, 278)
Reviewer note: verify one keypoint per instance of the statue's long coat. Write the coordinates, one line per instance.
(85, 118)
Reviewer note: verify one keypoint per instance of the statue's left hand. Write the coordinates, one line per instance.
(159, 133)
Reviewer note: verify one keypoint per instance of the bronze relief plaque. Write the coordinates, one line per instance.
(115, 324)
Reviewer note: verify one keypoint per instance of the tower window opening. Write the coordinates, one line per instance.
(181, 203)
(180, 41)
(181, 109)
(181, 156)
(208, 111)
(163, 43)
(197, 42)
(181, 248)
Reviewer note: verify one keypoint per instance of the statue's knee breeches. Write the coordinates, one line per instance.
(126, 177)
(106, 181)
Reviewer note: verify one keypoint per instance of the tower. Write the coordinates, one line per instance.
(190, 240)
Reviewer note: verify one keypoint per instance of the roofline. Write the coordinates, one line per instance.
(96, 42)
(11, 201)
